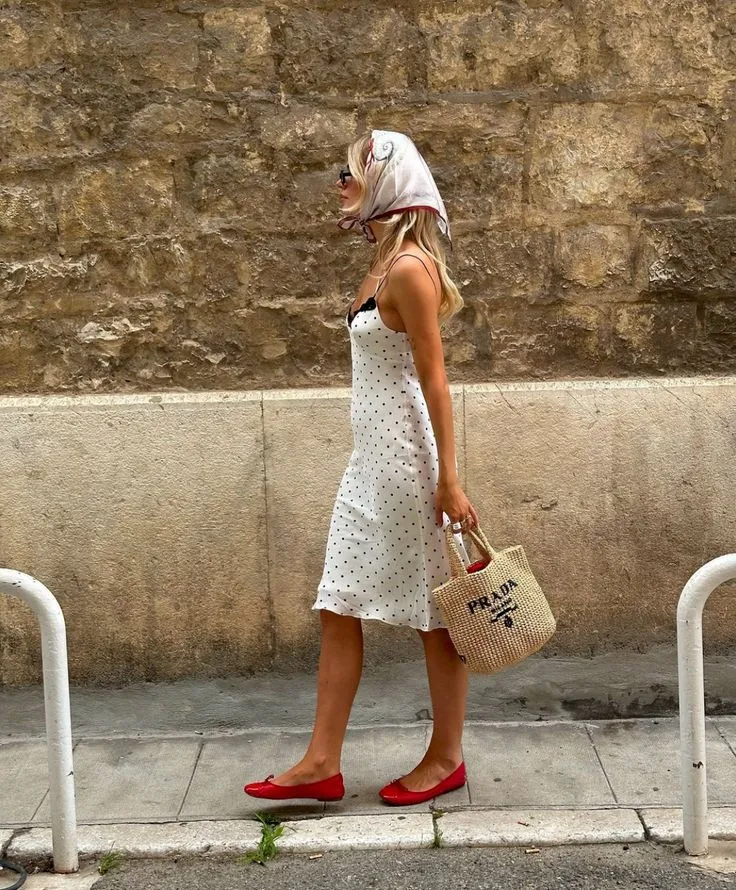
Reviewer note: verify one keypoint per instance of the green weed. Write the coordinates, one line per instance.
(109, 860)
(436, 815)
(271, 831)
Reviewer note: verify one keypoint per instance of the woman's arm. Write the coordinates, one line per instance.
(415, 297)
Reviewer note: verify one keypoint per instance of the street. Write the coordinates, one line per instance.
(597, 867)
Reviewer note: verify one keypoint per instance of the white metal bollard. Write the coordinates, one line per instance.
(58, 713)
(692, 698)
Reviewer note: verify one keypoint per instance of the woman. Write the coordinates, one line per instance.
(386, 547)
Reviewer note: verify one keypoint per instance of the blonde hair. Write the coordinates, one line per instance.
(418, 225)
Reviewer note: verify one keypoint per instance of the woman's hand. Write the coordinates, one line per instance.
(451, 499)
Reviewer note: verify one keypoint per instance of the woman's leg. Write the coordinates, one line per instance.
(340, 667)
(448, 688)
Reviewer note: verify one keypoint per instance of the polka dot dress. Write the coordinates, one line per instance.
(384, 552)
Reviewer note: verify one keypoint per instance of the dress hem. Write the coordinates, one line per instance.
(363, 617)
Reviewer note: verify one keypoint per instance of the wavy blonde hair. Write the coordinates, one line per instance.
(419, 226)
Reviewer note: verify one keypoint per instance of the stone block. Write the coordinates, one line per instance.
(312, 198)
(133, 48)
(445, 129)
(175, 124)
(31, 34)
(135, 840)
(682, 165)
(504, 265)
(128, 276)
(654, 337)
(33, 121)
(114, 199)
(237, 45)
(27, 217)
(510, 44)
(512, 339)
(689, 257)
(665, 825)
(594, 256)
(600, 155)
(647, 43)
(586, 155)
(540, 827)
(354, 51)
(299, 134)
(379, 832)
(241, 188)
(720, 319)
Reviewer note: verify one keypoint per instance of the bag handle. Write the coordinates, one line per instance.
(456, 563)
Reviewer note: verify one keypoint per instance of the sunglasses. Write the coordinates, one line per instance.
(344, 175)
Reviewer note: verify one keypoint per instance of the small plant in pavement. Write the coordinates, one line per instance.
(437, 814)
(109, 860)
(271, 831)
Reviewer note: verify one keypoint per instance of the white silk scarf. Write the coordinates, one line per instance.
(397, 179)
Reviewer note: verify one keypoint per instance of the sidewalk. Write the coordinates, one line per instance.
(160, 767)
(530, 783)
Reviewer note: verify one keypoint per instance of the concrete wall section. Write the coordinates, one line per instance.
(619, 492)
(184, 534)
(146, 517)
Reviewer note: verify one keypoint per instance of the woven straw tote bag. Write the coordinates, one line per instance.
(494, 609)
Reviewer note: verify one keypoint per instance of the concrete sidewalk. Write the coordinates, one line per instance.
(530, 783)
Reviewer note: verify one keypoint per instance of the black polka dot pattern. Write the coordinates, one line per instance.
(384, 552)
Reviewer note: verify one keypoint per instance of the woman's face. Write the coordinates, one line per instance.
(349, 192)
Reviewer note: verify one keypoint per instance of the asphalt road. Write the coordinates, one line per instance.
(597, 867)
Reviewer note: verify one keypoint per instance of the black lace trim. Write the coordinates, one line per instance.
(369, 304)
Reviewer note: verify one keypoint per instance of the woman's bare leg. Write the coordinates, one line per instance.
(340, 667)
(448, 688)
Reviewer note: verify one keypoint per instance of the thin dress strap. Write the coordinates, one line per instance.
(385, 274)
(351, 314)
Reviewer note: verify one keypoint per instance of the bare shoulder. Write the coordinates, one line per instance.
(416, 271)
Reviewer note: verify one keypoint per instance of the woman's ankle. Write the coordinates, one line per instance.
(320, 763)
(444, 760)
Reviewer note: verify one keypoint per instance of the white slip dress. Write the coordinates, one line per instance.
(384, 552)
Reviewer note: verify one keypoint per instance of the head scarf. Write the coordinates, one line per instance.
(397, 179)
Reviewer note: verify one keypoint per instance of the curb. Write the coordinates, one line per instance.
(465, 828)
(500, 828)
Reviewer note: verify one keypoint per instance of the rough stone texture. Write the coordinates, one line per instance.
(516, 44)
(167, 185)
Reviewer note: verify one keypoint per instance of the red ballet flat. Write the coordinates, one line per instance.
(397, 795)
(326, 789)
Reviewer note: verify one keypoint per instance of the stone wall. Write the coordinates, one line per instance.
(167, 207)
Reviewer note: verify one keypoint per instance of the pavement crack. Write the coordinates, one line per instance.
(647, 832)
(436, 816)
